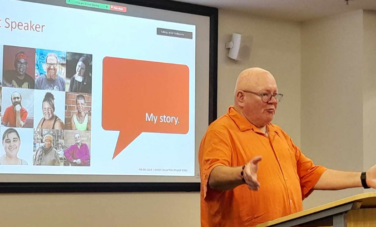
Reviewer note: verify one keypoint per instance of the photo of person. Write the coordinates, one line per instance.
(78, 111)
(18, 67)
(13, 145)
(79, 72)
(49, 109)
(78, 152)
(46, 142)
(50, 70)
(18, 107)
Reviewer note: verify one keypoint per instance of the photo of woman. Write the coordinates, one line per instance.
(46, 155)
(50, 120)
(11, 143)
(80, 67)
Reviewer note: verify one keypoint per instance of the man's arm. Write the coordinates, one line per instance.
(23, 116)
(336, 180)
(73, 125)
(227, 178)
(85, 158)
(62, 83)
(4, 119)
(18, 119)
(68, 154)
(20, 115)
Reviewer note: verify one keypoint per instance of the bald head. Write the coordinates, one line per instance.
(253, 79)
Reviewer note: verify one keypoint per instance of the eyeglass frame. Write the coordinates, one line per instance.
(52, 64)
(262, 95)
(18, 63)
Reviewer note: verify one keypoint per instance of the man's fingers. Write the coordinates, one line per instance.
(254, 187)
(256, 160)
(250, 173)
(254, 163)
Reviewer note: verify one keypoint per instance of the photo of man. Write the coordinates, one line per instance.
(15, 115)
(18, 67)
(78, 111)
(78, 154)
(19, 107)
(52, 72)
(18, 77)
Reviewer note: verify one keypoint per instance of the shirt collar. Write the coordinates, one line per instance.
(243, 124)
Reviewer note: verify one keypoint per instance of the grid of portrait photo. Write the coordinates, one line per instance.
(45, 107)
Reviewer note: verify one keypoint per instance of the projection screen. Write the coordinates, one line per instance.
(103, 95)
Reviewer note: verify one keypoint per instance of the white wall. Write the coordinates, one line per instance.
(100, 210)
(332, 96)
(369, 89)
(270, 44)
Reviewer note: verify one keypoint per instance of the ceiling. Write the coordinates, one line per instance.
(295, 10)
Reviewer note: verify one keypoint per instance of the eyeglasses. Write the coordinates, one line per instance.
(266, 97)
(19, 64)
(51, 64)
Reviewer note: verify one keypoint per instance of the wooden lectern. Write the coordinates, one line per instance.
(355, 211)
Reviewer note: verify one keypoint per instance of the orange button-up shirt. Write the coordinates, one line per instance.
(286, 176)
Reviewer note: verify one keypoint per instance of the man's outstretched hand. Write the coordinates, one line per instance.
(250, 173)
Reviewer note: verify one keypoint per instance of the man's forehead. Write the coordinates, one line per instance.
(266, 85)
(51, 58)
(22, 60)
(254, 78)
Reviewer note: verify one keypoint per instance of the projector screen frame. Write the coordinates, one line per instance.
(95, 187)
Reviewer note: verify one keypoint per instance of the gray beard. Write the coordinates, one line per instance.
(15, 104)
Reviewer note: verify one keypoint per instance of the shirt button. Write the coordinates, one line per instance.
(285, 178)
(290, 201)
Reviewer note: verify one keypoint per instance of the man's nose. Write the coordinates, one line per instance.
(273, 99)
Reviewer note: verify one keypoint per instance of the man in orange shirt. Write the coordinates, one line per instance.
(237, 188)
(15, 115)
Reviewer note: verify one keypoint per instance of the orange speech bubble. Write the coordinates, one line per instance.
(143, 96)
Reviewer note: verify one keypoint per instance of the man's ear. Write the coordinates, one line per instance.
(239, 98)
